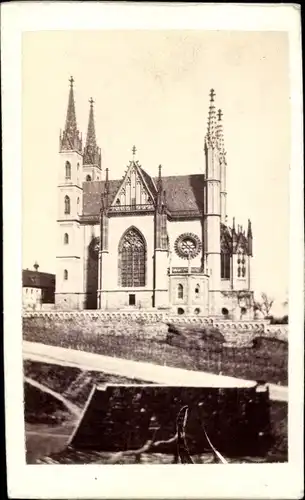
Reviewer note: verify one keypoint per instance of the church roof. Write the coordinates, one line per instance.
(92, 191)
(184, 193)
(36, 279)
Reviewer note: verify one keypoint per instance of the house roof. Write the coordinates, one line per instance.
(36, 279)
(184, 193)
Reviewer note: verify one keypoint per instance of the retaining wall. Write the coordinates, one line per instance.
(148, 324)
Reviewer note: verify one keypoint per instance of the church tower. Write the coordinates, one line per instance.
(69, 274)
(223, 168)
(212, 206)
(92, 161)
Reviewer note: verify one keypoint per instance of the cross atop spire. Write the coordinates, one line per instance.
(219, 113)
(212, 95)
(134, 150)
(70, 139)
(91, 102)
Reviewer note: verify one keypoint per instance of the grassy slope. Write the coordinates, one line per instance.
(267, 362)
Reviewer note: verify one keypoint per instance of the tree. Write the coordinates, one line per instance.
(264, 305)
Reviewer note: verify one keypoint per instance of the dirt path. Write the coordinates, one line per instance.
(139, 370)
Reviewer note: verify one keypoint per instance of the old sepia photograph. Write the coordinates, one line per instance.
(155, 247)
(143, 170)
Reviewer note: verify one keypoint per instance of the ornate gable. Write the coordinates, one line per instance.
(134, 191)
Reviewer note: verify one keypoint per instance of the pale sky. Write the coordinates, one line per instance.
(151, 89)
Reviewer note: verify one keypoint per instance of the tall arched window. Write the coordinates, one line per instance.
(225, 265)
(132, 259)
(65, 274)
(180, 291)
(66, 238)
(67, 205)
(68, 170)
(88, 178)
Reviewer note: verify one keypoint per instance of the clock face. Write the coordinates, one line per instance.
(187, 245)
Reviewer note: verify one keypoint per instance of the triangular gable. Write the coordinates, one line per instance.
(241, 244)
(134, 188)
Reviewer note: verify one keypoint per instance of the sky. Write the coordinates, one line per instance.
(151, 89)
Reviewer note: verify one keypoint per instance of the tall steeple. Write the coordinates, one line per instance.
(212, 205)
(70, 139)
(211, 136)
(223, 167)
(92, 154)
(220, 136)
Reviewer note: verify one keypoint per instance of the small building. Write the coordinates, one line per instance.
(37, 288)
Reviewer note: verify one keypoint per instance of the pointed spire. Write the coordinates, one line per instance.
(159, 183)
(91, 139)
(211, 137)
(250, 238)
(220, 136)
(70, 139)
(106, 189)
(92, 153)
(249, 233)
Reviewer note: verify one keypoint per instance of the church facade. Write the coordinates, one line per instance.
(148, 241)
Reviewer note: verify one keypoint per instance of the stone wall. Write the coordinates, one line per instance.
(152, 324)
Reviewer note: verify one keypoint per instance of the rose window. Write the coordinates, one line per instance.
(188, 245)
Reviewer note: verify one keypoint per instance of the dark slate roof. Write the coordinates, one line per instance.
(92, 195)
(35, 279)
(183, 192)
(149, 181)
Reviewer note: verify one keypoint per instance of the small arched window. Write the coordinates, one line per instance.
(68, 170)
(180, 291)
(66, 238)
(88, 178)
(77, 166)
(65, 274)
(77, 205)
(197, 290)
(118, 202)
(67, 204)
(225, 261)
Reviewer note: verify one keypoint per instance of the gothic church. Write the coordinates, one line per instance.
(148, 241)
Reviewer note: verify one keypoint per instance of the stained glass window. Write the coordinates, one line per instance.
(132, 259)
(225, 266)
